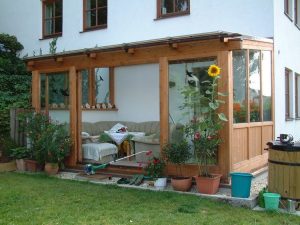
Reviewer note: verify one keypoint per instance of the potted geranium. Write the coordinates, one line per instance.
(203, 129)
(155, 170)
(177, 154)
(54, 144)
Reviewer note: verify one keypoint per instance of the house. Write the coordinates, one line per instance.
(83, 53)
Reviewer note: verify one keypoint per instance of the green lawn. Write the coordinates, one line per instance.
(37, 199)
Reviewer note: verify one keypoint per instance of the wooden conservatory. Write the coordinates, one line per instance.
(140, 83)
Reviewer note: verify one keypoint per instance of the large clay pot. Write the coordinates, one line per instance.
(51, 168)
(208, 185)
(181, 183)
(20, 164)
(160, 183)
(31, 165)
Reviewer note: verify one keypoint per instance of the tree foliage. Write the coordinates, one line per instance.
(14, 79)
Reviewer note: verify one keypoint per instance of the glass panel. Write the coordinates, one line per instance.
(254, 85)
(58, 25)
(167, 6)
(239, 87)
(183, 75)
(91, 18)
(43, 91)
(85, 87)
(49, 27)
(102, 85)
(102, 3)
(58, 91)
(49, 10)
(266, 68)
(297, 19)
(102, 16)
(90, 4)
(181, 5)
(58, 8)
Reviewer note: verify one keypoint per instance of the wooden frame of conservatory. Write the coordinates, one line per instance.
(161, 52)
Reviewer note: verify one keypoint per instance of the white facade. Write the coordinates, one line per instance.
(135, 20)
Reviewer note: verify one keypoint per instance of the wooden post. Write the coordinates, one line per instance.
(164, 100)
(226, 85)
(72, 160)
(79, 116)
(36, 91)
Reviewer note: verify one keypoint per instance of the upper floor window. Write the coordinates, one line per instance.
(167, 8)
(297, 13)
(52, 17)
(288, 8)
(288, 94)
(95, 14)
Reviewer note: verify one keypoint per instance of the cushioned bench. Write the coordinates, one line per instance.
(99, 152)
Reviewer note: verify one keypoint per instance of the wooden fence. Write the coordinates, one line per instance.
(16, 131)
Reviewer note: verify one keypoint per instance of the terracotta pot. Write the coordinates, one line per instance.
(208, 185)
(181, 183)
(51, 168)
(31, 165)
(20, 164)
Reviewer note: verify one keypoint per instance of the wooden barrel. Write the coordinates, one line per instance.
(284, 170)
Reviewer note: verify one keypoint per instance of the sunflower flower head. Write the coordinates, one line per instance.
(214, 71)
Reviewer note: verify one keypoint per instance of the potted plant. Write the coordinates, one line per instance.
(204, 127)
(19, 154)
(54, 145)
(178, 154)
(155, 170)
(34, 125)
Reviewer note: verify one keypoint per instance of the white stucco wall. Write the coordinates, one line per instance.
(137, 95)
(287, 55)
(134, 21)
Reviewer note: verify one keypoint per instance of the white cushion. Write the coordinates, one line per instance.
(96, 151)
(116, 128)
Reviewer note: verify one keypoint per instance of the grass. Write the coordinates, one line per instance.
(37, 199)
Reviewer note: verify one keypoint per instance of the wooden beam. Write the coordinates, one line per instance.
(92, 55)
(72, 159)
(79, 116)
(173, 45)
(36, 91)
(225, 85)
(141, 55)
(164, 100)
(30, 63)
(131, 51)
(112, 85)
(59, 59)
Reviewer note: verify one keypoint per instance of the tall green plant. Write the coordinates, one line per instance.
(207, 121)
(177, 153)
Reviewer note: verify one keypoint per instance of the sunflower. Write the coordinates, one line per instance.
(214, 70)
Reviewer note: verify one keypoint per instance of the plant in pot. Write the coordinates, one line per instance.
(19, 154)
(34, 125)
(155, 171)
(177, 154)
(203, 129)
(54, 145)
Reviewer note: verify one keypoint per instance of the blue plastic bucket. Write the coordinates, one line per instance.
(241, 184)
(271, 200)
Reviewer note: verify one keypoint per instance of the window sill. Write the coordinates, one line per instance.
(289, 119)
(108, 110)
(51, 36)
(101, 27)
(288, 16)
(171, 15)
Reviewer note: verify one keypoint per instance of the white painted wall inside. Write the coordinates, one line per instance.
(136, 96)
(286, 55)
(134, 22)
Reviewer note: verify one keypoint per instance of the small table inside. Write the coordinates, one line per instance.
(120, 138)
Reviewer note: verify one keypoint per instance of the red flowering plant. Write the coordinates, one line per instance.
(155, 166)
(204, 102)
